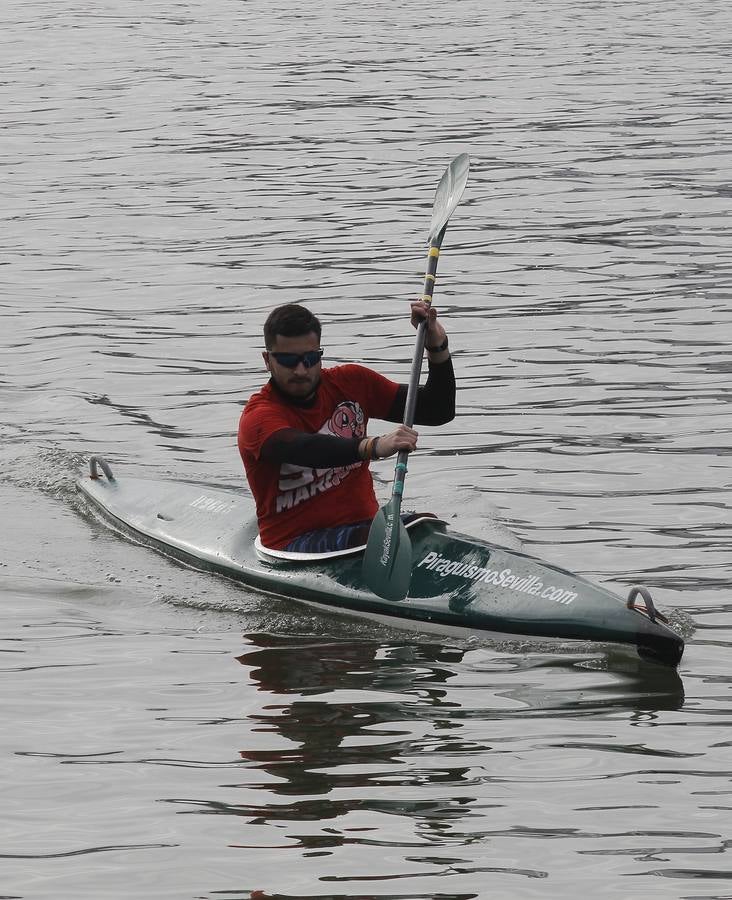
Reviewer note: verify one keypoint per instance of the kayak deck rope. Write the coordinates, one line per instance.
(650, 608)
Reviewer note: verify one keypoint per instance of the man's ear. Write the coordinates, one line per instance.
(265, 357)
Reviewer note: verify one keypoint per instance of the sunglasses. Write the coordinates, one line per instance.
(293, 360)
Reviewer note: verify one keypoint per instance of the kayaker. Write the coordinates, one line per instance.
(303, 437)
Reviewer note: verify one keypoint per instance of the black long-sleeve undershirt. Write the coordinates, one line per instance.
(435, 398)
(435, 406)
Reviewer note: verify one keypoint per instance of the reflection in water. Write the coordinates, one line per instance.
(643, 688)
(353, 730)
(368, 695)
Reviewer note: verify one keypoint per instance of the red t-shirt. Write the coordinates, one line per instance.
(294, 499)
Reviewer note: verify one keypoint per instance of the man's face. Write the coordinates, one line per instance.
(299, 382)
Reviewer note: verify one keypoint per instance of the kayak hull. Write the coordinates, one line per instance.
(458, 582)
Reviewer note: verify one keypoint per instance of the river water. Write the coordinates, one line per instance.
(169, 172)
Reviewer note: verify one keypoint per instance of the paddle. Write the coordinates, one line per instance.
(387, 561)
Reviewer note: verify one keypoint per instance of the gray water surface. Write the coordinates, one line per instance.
(171, 171)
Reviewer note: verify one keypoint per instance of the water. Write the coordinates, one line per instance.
(169, 172)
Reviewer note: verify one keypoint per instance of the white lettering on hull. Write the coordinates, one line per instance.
(210, 504)
(505, 578)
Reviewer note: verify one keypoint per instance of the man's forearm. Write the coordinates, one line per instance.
(317, 451)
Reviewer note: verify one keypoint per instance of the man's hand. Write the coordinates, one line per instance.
(402, 438)
(435, 332)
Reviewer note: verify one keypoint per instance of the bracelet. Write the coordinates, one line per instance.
(367, 448)
(443, 346)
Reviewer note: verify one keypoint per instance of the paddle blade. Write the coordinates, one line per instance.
(448, 194)
(387, 560)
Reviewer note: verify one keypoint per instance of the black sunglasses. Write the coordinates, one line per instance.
(293, 360)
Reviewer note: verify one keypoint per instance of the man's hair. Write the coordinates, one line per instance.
(290, 320)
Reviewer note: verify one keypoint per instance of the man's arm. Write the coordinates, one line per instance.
(435, 398)
(318, 451)
(323, 451)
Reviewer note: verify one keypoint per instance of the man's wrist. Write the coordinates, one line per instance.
(439, 349)
(368, 448)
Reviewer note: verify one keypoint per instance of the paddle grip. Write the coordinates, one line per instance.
(431, 273)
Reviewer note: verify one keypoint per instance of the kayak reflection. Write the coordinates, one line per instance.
(383, 718)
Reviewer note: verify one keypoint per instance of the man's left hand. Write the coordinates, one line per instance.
(435, 332)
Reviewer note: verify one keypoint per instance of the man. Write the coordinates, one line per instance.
(303, 437)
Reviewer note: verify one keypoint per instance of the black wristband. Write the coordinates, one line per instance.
(443, 346)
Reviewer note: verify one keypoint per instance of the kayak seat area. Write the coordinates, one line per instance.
(330, 543)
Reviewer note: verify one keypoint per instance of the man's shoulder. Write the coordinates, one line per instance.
(263, 395)
(353, 376)
(372, 391)
(261, 402)
(348, 373)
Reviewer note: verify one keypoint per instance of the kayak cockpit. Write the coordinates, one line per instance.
(267, 554)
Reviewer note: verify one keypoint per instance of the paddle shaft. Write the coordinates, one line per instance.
(411, 403)
(387, 561)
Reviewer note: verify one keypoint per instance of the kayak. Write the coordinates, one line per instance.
(458, 582)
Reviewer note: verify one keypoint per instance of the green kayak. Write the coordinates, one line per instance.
(457, 582)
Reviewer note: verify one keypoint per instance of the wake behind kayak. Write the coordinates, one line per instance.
(458, 581)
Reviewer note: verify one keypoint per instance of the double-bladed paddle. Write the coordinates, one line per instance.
(387, 561)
